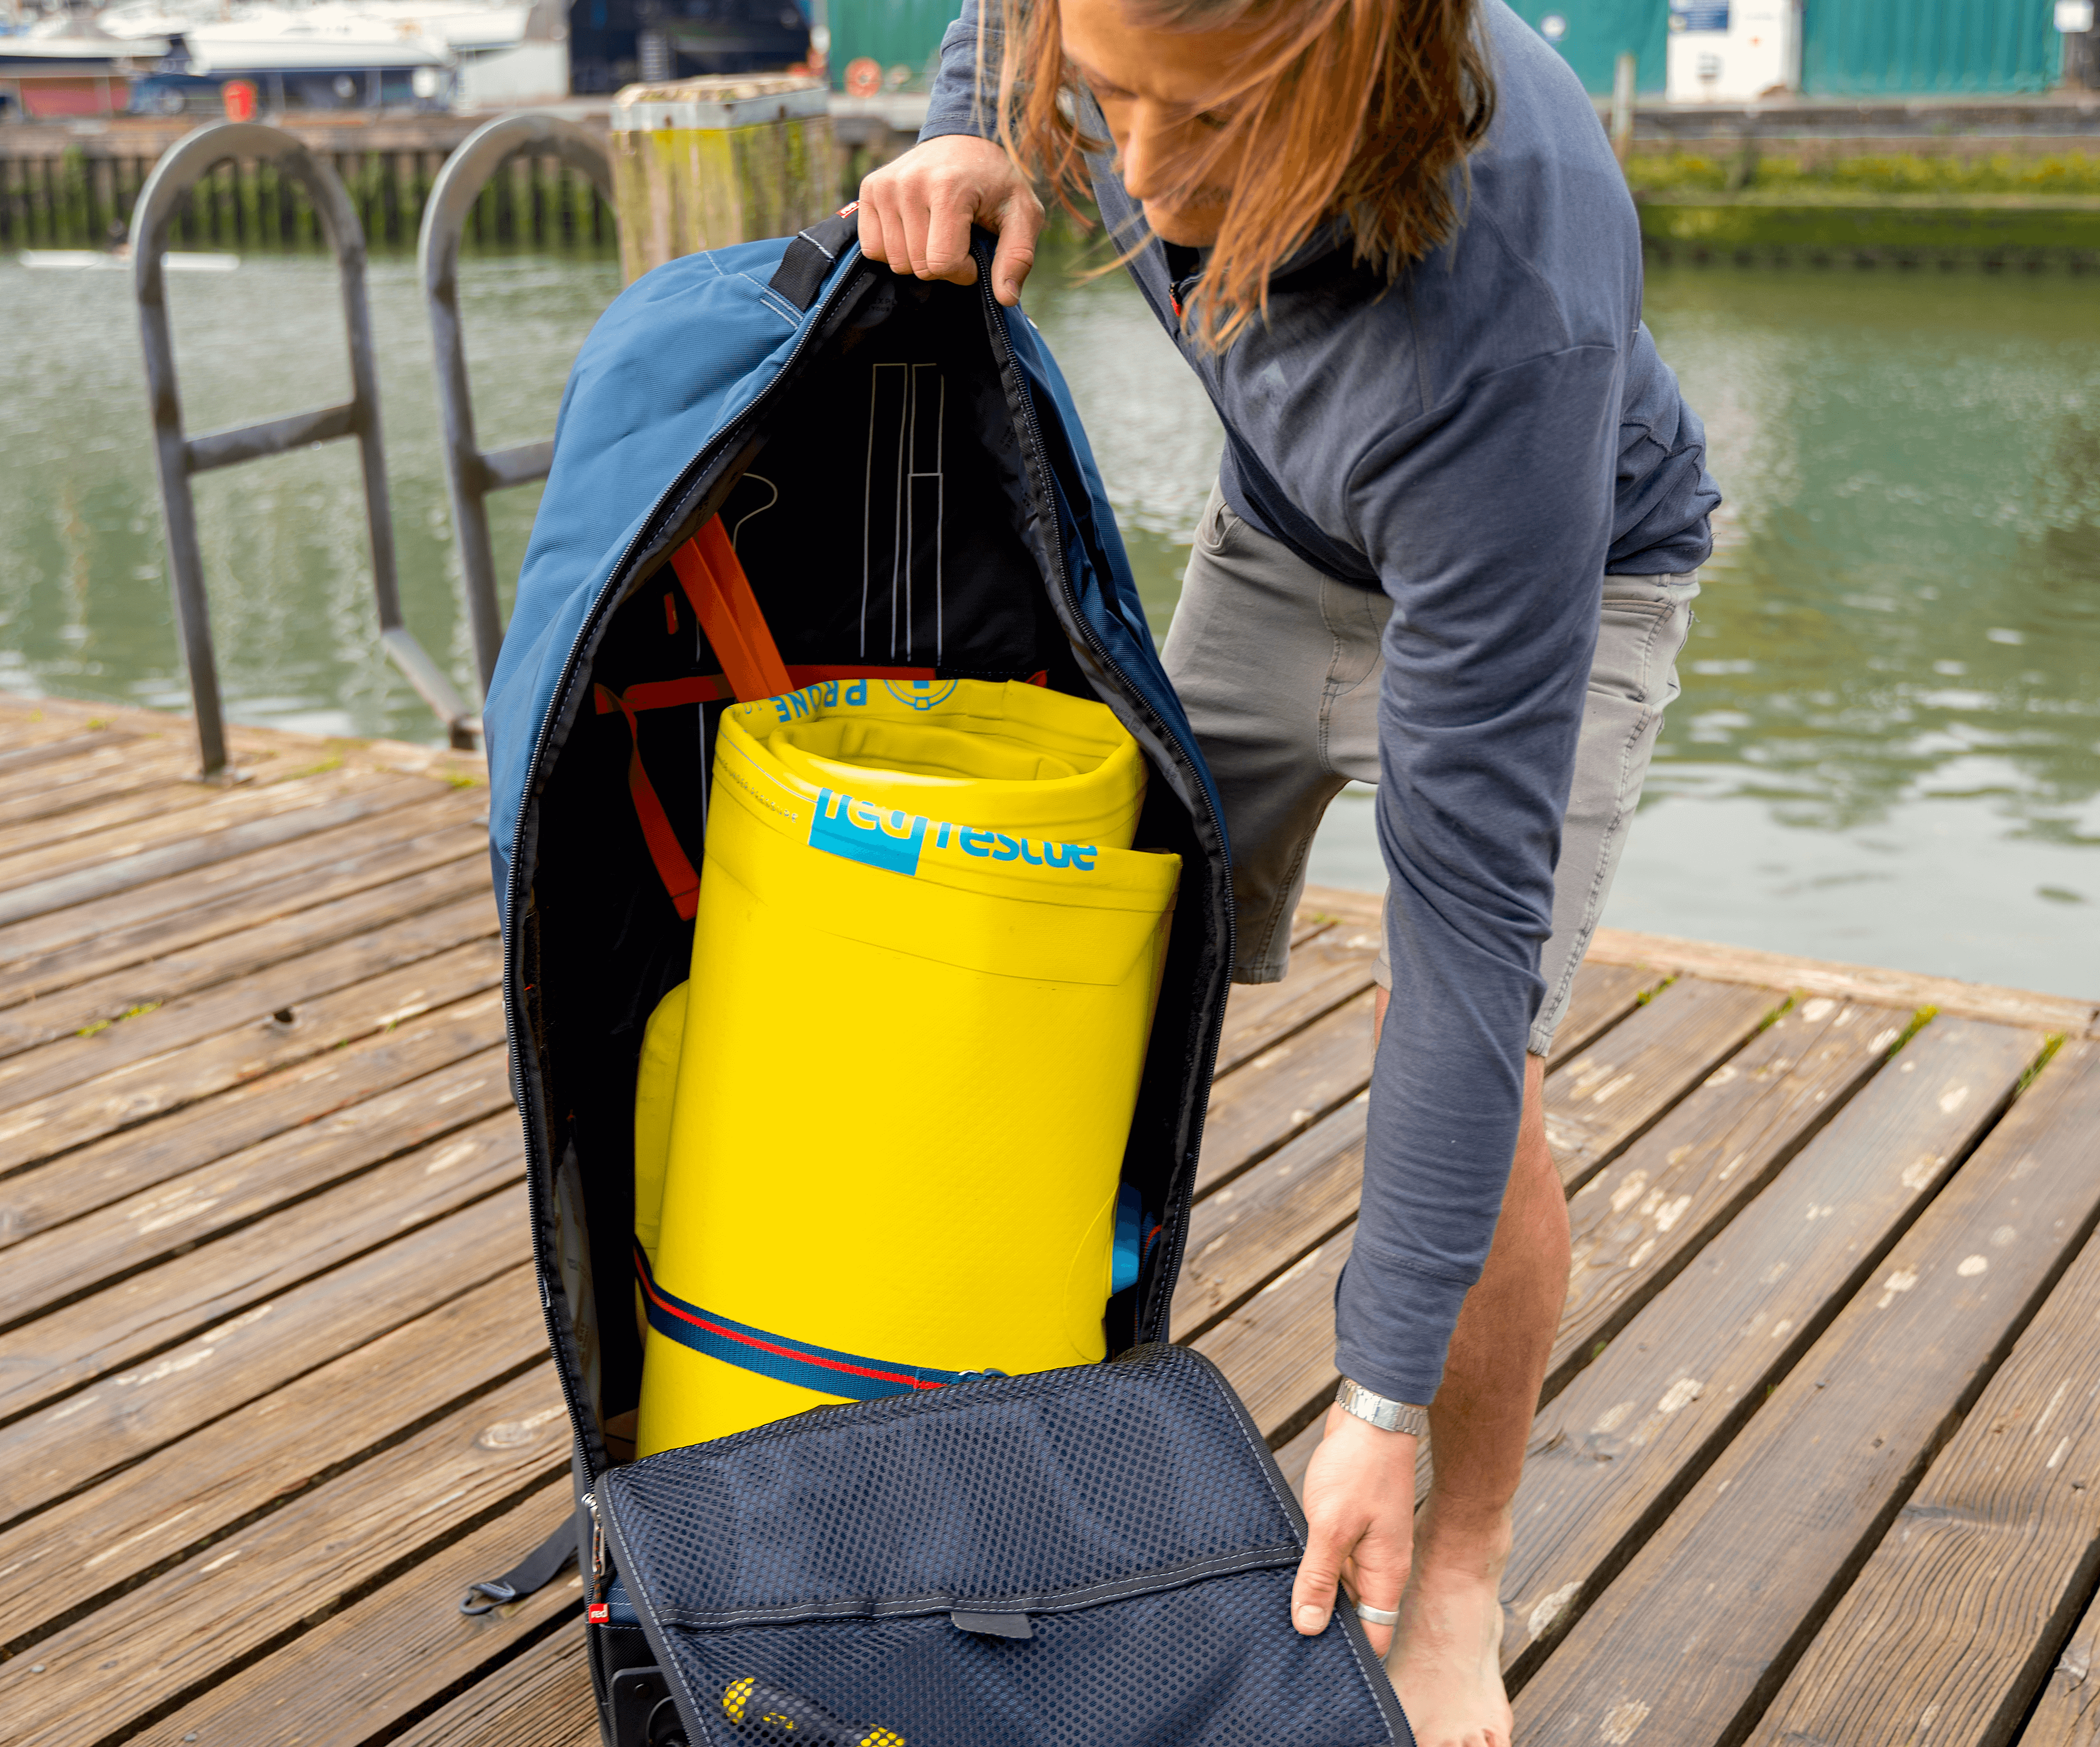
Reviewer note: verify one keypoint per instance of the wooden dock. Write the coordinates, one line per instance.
(1819, 1460)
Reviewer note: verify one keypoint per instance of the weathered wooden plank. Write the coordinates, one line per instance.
(79, 1438)
(186, 1210)
(1703, 1625)
(145, 806)
(96, 790)
(289, 987)
(135, 1159)
(360, 1673)
(37, 721)
(1304, 926)
(203, 848)
(1271, 1096)
(89, 771)
(1612, 1454)
(1848, 982)
(54, 951)
(539, 1698)
(1634, 1223)
(63, 1012)
(170, 1638)
(1957, 1616)
(259, 754)
(1327, 971)
(1335, 903)
(1260, 1223)
(1602, 995)
(1609, 1093)
(46, 1127)
(1656, 1068)
(1762, 1101)
(2069, 1712)
(1285, 1090)
(66, 1349)
(1277, 1349)
(188, 811)
(26, 752)
(92, 1542)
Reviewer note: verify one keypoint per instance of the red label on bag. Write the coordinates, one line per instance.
(600, 1612)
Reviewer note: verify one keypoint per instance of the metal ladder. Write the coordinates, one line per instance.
(471, 473)
(180, 456)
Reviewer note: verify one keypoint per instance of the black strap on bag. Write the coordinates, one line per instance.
(812, 255)
(535, 1572)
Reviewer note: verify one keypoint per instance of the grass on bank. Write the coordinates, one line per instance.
(1814, 177)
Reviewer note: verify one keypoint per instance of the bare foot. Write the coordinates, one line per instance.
(1446, 1660)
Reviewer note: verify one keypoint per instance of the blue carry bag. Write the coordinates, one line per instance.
(1094, 1557)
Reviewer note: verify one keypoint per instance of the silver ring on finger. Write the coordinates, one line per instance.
(1378, 1616)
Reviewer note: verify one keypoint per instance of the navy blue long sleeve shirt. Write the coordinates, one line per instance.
(1483, 439)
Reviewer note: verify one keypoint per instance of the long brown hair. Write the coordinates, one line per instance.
(1359, 110)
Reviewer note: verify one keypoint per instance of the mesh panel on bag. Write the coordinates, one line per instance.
(1002, 1487)
(803, 1573)
(1177, 1670)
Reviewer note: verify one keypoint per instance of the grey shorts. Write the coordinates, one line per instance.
(1284, 749)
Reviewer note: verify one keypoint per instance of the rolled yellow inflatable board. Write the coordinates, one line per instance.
(655, 1080)
(911, 1051)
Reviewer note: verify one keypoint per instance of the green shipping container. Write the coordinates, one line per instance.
(1849, 47)
(1592, 34)
(892, 33)
(1906, 47)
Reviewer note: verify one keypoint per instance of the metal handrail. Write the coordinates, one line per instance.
(178, 455)
(472, 473)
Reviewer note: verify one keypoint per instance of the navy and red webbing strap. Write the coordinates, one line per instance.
(824, 1369)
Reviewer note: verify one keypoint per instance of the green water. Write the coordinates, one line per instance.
(1888, 748)
(84, 606)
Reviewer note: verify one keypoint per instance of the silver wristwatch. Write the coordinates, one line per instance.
(1387, 1414)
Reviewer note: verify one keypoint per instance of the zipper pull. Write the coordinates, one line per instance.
(598, 1613)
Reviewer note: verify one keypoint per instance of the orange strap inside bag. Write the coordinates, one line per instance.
(713, 577)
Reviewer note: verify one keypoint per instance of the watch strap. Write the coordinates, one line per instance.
(1382, 1411)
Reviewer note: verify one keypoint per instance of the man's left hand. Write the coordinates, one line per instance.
(1359, 1511)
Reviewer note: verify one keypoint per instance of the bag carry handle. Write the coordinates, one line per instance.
(812, 255)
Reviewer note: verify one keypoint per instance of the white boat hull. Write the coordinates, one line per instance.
(99, 261)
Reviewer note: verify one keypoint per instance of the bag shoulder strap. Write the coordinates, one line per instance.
(535, 1572)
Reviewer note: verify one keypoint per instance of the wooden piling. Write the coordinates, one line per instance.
(703, 163)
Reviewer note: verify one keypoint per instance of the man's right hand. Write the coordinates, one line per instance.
(915, 213)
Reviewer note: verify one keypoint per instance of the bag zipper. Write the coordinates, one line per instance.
(596, 1609)
(606, 1526)
(996, 315)
(686, 478)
